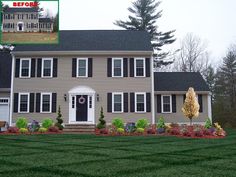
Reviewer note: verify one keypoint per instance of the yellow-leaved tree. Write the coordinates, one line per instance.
(190, 108)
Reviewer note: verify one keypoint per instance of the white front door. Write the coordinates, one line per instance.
(4, 109)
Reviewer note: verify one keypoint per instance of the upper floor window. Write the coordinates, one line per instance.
(117, 67)
(82, 67)
(117, 102)
(140, 102)
(25, 67)
(47, 67)
(23, 106)
(139, 67)
(166, 104)
(46, 101)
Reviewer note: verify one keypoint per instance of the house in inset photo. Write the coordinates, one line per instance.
(25, 20)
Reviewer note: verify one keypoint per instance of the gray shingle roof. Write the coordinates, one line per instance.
(45, 20)
(179, 81)
(5, 70)
(14, 10)
(95, 40)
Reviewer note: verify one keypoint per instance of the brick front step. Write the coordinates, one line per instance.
(79, 128)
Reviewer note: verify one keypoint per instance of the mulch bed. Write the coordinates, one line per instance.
(35, 133)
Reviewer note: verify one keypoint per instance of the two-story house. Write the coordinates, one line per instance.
(25, 20)
(90, 69)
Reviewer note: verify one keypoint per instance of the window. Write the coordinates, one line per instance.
(82, 65)
(90, 102)
(117, 67)
(47, 67)
(73, 102)
(166, 103)
(46, 99)
(25, 68)
(117, 102)
(140, 102)
(23, 106)
(139, 67)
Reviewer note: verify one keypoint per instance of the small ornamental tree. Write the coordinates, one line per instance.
(102, 122)
(59, 119)
(190, 108)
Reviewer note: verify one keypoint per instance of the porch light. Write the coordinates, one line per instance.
(65, 97)
(97, 97)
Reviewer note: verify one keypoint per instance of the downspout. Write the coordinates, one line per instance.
(153, 102)
(11, 94)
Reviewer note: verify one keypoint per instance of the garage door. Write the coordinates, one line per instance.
(4, 109)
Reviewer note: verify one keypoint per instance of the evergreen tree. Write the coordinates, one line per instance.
(102, 122)
(59, 119)
(144, 17)
(55, 23)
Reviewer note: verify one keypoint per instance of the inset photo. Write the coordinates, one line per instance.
(29, 22)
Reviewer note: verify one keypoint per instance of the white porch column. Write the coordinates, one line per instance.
(11, 94)
(152, 98)
(209, 106)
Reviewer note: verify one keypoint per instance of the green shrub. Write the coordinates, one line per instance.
(47, 123)
(23, 130)
(121, 130)
(102, 122)
(140, 130)
(118, 123)
(142, 123)
(42, 130)
(161, 123)
(59, 119)
(208, 123)
(21, 122)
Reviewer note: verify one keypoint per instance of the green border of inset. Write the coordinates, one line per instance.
(58, 20)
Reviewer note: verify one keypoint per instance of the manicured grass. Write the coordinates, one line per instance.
(96, 156)
(29, 38)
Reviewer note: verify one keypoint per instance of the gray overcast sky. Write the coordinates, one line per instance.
(212, 20)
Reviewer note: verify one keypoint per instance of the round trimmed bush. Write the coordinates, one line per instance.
(121, 130)
(21, 122)
(140, 130)
(142, 123)
(42, 130)
(118, 123)
(23, 130)
(47, 123)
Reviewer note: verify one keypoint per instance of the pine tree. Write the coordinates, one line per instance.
(102, 122)
(144, 18)
(59, 119)
(190, 108)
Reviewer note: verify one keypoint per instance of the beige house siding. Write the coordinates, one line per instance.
(4, 94)
(178, 117)
(99, 82)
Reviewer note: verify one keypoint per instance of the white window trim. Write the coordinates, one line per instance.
(122, 66)
(25, 59)
(144, 67)
(77, 67)
(41, 102)
(42, 71)
(19, 101)
(162, 104)
(145, 101)
(122, 102)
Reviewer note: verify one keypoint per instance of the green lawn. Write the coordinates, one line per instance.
(22, 38)
(95, 156)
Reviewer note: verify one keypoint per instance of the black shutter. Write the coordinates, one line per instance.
(31, 102)
(38, 97)
(74, 63)
(184, 97)
(17, 68)
(55, 66)
(200, 103)
(131, 67)
(158, 103)
(109, 67)
(33, 63)
(173, 103)
(132, 102)
(126, 100)
(148, 102)
(16, 96)
(147, 64)
(125, 67)
(54, 102)
(90, 67)
(39, 67)
(109, 102)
